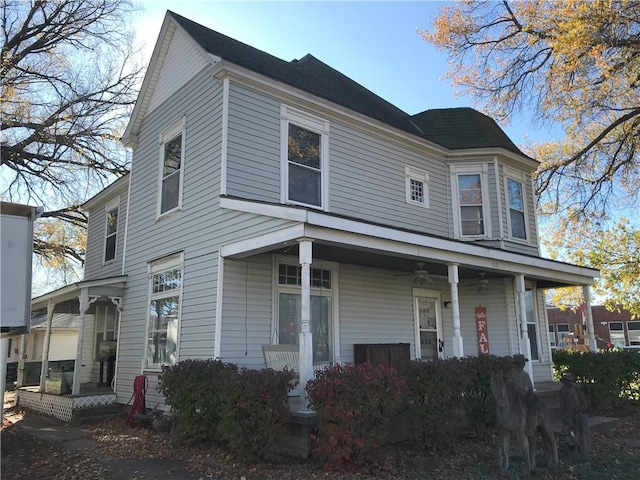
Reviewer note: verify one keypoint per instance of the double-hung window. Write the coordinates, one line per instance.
(171, 168)
(616, 334)
(416, 186)
(288, 322)
(305, 142)
(564, 334)
(633, 329)
(514, 186)
(470, 201)
(111, 230)
(165, 295)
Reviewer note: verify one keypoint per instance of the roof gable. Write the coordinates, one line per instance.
(455, 128)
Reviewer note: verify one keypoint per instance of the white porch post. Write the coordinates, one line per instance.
(306, 340)
(22, 357)
(586, 291)
(85, 302)
(458, 348)
(44, 368)
(525, 345)
(117, 301)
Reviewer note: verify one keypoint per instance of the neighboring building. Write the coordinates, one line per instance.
(568, 327)
(270, 198)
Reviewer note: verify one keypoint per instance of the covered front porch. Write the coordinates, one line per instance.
(87, 379)
(375, 284)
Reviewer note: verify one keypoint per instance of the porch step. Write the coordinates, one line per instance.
(96, 414)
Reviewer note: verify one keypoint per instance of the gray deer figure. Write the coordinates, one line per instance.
(511, 415)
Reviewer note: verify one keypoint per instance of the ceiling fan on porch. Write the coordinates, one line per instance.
(482, 283)
(420, 275)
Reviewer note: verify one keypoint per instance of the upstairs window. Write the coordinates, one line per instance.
(471, 207)
(470, 200)
(111, 230)
(172, 163)
(517, 213)
(416, 187)
(304, 158)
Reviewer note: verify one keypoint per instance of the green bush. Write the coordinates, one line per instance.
(212, 401)
(256, 412)
(195, 390)
(443, 392)
(355, 405)
(609, 378)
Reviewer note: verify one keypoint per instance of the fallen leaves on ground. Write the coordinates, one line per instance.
(472, 459)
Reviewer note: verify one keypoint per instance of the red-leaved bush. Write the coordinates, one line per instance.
(354, 405)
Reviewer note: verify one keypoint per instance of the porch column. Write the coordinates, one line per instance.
(85, 302)
(586, 291)
(458, 348)
(22, 357)
(306, 340)
(117, 301)
(525, 346)
(44, 368)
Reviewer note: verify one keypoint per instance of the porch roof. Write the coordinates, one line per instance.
(104, 287)
(354, 241)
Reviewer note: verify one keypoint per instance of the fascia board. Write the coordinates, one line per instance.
(263, 243)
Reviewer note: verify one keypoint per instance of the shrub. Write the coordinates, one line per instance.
(212, 401)
(354, 406)
(195, 391)
(609, 378)
(256, 412)
(443, 392)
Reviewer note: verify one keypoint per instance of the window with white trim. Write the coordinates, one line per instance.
(171, 168)
(633, 330)
(416, 186)
(470, 201)
(288, 322)
(552, 336)
(532, 328)
(165, 299)
(616, 334)
(517, 208)
(564, 335)
(111, 230)
(305, 142)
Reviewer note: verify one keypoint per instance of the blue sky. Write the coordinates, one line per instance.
(375, 43)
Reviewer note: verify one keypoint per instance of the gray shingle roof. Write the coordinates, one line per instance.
(453, 128)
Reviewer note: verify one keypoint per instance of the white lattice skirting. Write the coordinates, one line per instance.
(62, 407)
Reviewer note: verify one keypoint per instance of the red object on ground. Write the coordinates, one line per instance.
(140, 384)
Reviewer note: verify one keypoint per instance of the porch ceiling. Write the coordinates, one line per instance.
(361, 244)
(68, 295)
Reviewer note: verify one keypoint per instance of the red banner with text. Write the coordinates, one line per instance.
(483, 331)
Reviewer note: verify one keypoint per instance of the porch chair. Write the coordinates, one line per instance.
(278, 357)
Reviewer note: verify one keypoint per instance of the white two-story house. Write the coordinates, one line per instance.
(280, 202)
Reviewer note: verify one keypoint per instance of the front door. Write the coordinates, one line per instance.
(428, 322)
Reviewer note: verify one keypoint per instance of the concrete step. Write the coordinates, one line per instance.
(96, 414)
